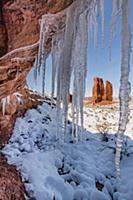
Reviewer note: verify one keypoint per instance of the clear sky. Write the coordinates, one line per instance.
(99, 63)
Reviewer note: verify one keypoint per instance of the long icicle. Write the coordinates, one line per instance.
(43, 77)
(116, 10)
(57, 45)
(102, 19)
(40, 61)
(80, 70)
(65, 65)
(125, 88)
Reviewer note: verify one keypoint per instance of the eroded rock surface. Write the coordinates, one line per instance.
(3, 33)
(19, 30)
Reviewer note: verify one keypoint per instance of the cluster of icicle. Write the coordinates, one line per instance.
(69, 57)
(7, 101)
(69, 60)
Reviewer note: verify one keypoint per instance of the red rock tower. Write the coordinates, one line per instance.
(109, 91)
(100, 93)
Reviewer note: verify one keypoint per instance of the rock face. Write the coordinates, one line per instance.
(19, 35)
(22, 19)
(19, 104)
(3, 34)
(11, 186)
(99, 92)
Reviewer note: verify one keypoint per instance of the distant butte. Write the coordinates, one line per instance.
(100, 92)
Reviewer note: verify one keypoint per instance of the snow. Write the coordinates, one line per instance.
(46, 181)
(98, 115)
(96, 195)
(70, 171)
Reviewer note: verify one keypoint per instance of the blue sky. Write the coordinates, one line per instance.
(99, 63)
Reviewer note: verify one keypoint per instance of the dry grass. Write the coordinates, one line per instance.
(103, 127)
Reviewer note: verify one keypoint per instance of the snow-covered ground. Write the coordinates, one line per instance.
(96, 116)
(82, 171)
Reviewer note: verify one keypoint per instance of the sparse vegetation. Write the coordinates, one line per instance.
(103, 128)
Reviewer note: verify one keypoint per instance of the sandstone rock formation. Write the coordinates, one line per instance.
(3, 34)
(98, 90)
(100, 93)
(19, 35)
(109, 91)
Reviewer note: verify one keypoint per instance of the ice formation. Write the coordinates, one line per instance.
(4, 101)
(69, 55)
(116, 12)
(69, 58)
(125, 88)
(101, 2)
(7, 101)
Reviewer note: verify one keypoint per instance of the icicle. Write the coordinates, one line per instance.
(74, 54)
(45, 31)
(18, 97)
(35, 70)
(80, 65)
(71, 56)
(54, 64)
(116, 10)
(3, 102)
(8, 100)
(65, 66)
(43, 78)
(41, 57)
(93, 20)
(95, 25)
(73, 118)
(125, 88)
(41, 51)
(58, 104)
(57, 45)
(102, 19)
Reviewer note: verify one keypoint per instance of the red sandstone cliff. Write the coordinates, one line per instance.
(19, 27)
